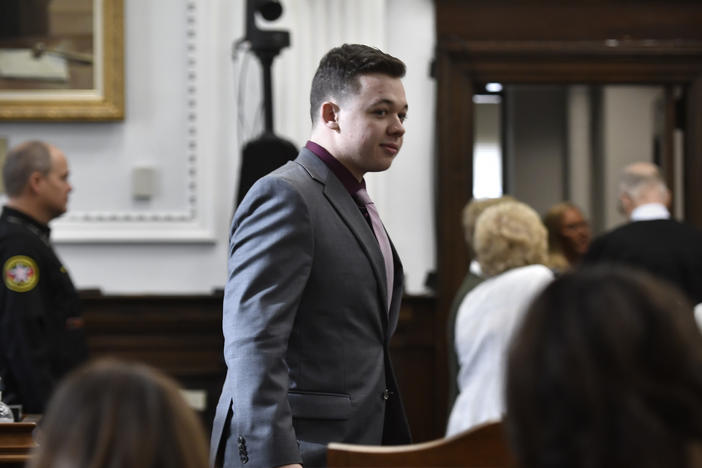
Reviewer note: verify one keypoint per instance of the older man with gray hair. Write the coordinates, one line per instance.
(41, 329)
(652, 240)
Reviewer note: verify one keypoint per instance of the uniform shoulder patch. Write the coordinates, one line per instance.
(20, 273)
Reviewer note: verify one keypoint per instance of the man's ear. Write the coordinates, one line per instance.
(626, 204)
(668, 199)
(330, 115)
(34, 181)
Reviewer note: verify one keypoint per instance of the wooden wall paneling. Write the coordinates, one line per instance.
(667, 141)
(576, 62)
(693, 152)
(568, 20)
(413, 351)
(454, 172)
(182, 336)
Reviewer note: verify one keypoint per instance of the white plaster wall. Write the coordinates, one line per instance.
(487, 150)
(404, 194)
(182, 120)
(579, 148)
(628, 129)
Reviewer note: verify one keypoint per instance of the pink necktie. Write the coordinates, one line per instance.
(382, 238)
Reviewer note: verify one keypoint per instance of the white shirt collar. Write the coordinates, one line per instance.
(475, 268)
(649, 211)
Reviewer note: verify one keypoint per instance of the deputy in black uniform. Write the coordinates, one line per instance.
(41, 329)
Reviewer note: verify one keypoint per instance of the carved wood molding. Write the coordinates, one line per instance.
(610, 61)
(638, 48)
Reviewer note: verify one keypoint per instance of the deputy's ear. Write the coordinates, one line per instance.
(330, 115)
(34, 181)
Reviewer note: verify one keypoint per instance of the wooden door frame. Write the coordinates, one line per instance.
(463, 63)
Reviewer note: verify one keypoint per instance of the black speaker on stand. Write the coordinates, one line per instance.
(267, 151)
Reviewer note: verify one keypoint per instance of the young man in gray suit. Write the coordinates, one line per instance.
(314, 286)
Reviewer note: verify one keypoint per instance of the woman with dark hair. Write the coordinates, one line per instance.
(606, 371)
(569, 236)
(111, 414)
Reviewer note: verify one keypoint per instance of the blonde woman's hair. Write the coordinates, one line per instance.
(509, 235)
(471, 213)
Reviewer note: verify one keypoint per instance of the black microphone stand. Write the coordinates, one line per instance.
(268, 151)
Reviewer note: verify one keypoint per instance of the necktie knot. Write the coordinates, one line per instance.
(362, 196)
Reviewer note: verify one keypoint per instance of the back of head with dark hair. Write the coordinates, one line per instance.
(112, 414)
(338, 72)
(606, 371)
(21, 162)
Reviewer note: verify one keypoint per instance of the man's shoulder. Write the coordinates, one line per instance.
(535, 273)
(286, 190)
(292, 177)
(307, 174)
(306, 167)
(611, 242)
(658, 228)
(21, 251)
(16, 236)
(634, 228)
(639, 236)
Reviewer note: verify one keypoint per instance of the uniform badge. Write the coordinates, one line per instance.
(20, 273)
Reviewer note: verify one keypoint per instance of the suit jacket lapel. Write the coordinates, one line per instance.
(339, 197)
(398, 289)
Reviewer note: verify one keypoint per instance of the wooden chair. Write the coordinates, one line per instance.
(484, 446)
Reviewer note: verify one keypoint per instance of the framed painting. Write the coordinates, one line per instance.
(61, 60)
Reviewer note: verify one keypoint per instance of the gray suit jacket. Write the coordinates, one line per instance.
(306, 329)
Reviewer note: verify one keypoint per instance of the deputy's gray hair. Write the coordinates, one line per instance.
(21, 162)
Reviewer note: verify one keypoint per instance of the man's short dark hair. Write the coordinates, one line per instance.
(21, 162)
(338, 72)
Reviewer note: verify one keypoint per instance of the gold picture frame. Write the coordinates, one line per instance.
(104, 100)
(3, 153)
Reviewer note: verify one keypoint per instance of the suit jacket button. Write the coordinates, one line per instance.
(386, 394)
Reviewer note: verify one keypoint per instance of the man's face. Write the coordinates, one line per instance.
(371, 125)
(575, 232)
(54, 187)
